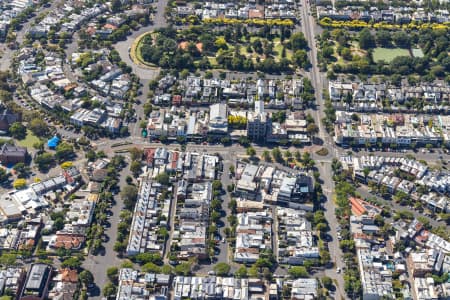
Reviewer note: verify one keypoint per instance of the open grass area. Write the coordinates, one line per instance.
(388, 54)
(417, 52)
(29, 141)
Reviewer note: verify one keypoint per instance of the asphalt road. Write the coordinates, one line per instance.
(100, 263)
(122, 47)
(318, 82)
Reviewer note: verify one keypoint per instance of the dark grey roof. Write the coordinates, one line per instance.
(12, 150)
(37, 276)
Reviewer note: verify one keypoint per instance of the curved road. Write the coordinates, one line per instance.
(122, 47)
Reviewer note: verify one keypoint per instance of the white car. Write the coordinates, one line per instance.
(338, 270)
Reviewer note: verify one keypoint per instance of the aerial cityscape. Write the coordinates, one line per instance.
(263, 150)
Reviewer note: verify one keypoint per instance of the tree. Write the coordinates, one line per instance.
(120, 247)
(39, 146)
(298, 272)
(18, 131)
(276, 153)
(86, 277)
(383, 38)
(222, 269)
(183, 269)
(327, 282)
(166, 269)
(151, 268)
(251, 151)
(300, 58)
(7, 259)
(312, 129)
(39, 127)
(143, 258)
(217, 185)
(64, 151)
(163, 178)
(148, 108)
(288, 155)
(136, 153)
(347, 245)
(307, 161)
(129, 195)
(109, 290)
(4, 176)
(44, 161)
(71, 263)
(366, 40)
(266, 156)
(241, 272)
(135, 168)
(21, 169)
(112, 273)
(66, 165)
(298, 41)
(401, 39)
(19, 183)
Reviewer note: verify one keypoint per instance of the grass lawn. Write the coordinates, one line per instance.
(29, 140)
(417, 52)
(388, 54)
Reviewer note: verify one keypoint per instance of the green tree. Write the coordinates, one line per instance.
(21, 169)
(71, 263)
(298, 41)
(86, 277)
(64, 151)
(166, 269)
(18, 131)
(300, 58)
(241, 272)
(163, 178)
(109, 290)
(327, 282)
(217, 185)
(39, 127)
(366, 40)
(222, 269)
(44, 160)
(251, 151)
(312, 129)
(266, 156)
(136, 153)
(113, 274)
(135, 168)
(129, 195)
(120, 247)
(298, 272)
(39, 146)
(7, 259)
(277, 156)
(151, 268)
(183, 269)
(4, 176)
